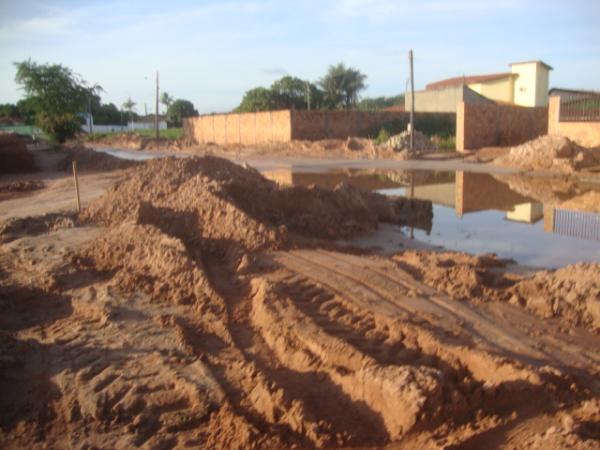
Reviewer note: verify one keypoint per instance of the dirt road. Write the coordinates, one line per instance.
(232, 327)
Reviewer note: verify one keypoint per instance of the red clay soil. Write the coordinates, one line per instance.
(14, 156)
(90, 160)
(147, 332)
(222, 201)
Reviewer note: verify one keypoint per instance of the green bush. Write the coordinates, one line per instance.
(429, 124)
(382, 136)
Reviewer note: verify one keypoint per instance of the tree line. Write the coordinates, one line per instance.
(338, 89)
(56, 100)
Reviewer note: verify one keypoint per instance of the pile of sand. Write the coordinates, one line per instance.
(90, 160)
(401, 142)
(22, 186)
(14, 156)
(552, 153)
(572, 293)
(134, 141)
(219, 201)
(460, 275)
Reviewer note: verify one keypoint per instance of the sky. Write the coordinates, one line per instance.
(211, 52)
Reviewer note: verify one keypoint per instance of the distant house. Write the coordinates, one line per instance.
(525, 85)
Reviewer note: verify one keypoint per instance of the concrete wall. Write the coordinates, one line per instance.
(313, 125)
(443, 100)
(244, 128)
(481, 125)
(586, 134)
(498, 90)
(531, 85)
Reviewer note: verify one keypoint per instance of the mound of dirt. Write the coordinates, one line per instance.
(460, 275)
(134, 141)
(91, 160)
(572, 293)
(219, 201)
(552, 153)
(17, 227)
(401, 142)
(22, 186)
(14, 156)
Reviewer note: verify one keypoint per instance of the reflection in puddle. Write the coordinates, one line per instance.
(541, 222)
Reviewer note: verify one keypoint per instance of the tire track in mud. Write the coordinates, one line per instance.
(300, 407)
(560, 352)
(481, 327)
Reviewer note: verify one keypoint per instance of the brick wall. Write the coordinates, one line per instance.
(586, 134)
(244, 128)
(311, 125)
(480, 125)
(282, 126)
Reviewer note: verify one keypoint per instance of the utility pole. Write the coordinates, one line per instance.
(412, 102)
(90, 119)
(308, 95)
(156, 116)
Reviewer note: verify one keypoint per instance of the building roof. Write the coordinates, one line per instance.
(468, 80)
(539, 61)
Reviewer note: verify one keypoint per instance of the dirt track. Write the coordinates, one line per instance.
(148, 334)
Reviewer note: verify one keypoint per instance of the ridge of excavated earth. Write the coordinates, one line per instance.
(174, 312)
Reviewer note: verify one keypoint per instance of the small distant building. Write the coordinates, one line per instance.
(525, 85)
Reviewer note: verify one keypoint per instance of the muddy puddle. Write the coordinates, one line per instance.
(538, 222)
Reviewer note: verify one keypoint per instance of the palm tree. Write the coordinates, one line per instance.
(129, 106)
(342, 85)
(166, 99)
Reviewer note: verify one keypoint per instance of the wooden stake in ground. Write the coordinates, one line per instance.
(76, 178)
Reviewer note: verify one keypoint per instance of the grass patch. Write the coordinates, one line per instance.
(169, 133)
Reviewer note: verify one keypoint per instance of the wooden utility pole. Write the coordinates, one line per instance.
(76, 178)
(412, 102)
(156, 116)
(308, 94)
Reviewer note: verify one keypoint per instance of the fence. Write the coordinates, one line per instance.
(584, 225)
(579, 107)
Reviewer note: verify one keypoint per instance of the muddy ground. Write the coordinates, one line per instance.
(194, 304)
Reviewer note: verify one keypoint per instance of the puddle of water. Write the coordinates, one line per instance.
(138, 155)
(535, 221)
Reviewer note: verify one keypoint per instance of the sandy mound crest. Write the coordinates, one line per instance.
(216, 200)
(552, 153)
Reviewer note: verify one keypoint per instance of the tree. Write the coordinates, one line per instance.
(56, 95)
(257, 99)
(341, 86)
(179, 110)
(129, 106)
(166, 100)
(377, 103)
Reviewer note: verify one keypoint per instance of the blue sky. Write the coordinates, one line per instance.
(211, 52)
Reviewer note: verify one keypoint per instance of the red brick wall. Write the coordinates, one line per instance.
(313, 125)
(489, 124)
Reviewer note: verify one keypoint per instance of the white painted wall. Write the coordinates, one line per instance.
(531, 85)
(131, 126)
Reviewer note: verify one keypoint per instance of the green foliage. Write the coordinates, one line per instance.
(341, 86)
(56, 95)
(169, 133)
(9, 111)
(257, 99)
(382, 136)
(429, 124)
(292, 92)
(105, 114)
(378, 103)
(166, 99)
(445, 143)
(179, 110)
